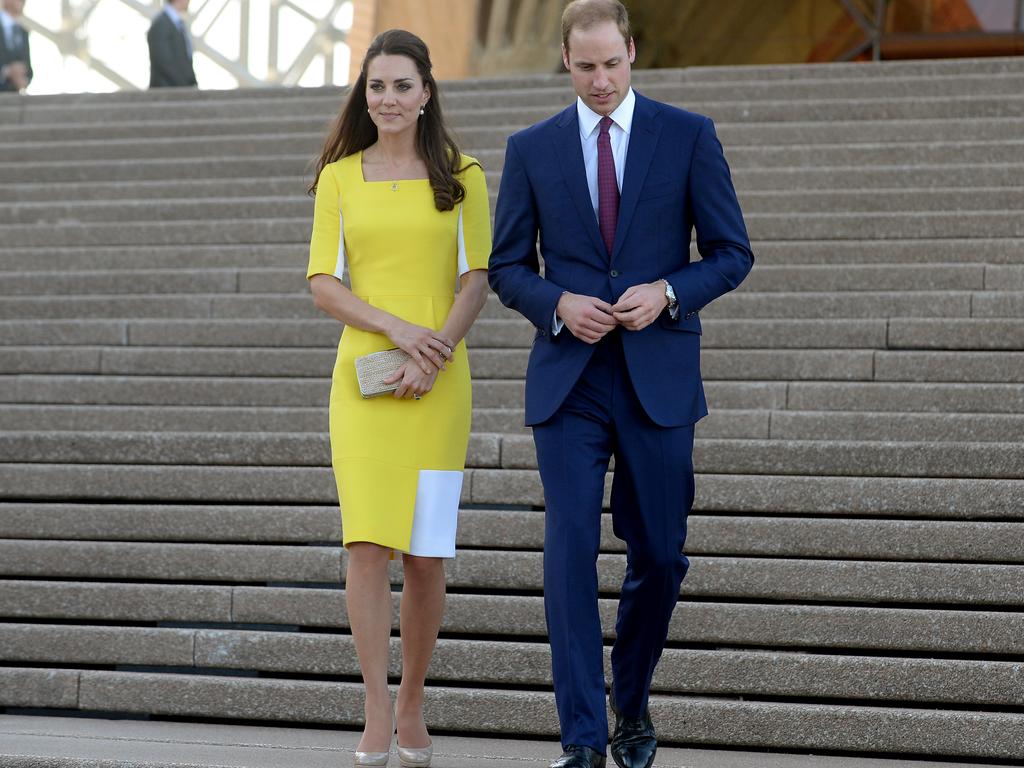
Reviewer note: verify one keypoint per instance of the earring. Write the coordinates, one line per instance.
(423, 109)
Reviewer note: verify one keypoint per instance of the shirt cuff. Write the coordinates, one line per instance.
(557, 323)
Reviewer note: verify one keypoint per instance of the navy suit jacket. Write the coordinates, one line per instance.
(169, 62)
(676, 180)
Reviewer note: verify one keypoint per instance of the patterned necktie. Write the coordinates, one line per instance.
(607, 187)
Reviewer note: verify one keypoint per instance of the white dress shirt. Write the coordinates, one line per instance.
(7, 23)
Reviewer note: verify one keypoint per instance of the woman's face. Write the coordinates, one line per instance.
(395, 92)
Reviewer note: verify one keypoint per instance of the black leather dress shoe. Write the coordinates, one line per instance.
(579, 757)
(634, 742)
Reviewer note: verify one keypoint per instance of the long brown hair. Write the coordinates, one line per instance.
(353, 130)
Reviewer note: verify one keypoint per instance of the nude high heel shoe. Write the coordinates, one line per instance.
(416, 758)
(413, 758)
(375, 758)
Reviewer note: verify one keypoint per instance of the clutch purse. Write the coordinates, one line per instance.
(372, 369)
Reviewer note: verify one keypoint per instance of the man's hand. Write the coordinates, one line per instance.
(640, 305)
(17, 73)
(587, 317)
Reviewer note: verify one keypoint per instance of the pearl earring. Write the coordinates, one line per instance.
(423, 109)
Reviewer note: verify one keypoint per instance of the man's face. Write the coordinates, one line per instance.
(180, 5)
(598, 60)
(14, 7)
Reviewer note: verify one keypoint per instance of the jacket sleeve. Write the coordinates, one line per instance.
(514, 268)
(28, 56)
(161, 55)
(722, 241)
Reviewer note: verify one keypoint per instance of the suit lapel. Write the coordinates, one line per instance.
(570, 157)
(642, 141)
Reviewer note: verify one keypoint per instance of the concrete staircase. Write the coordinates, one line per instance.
(169, 536)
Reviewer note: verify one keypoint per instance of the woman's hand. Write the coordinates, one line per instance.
(428, 349)
(414, 383)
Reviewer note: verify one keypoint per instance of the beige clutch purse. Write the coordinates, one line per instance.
(372, 369)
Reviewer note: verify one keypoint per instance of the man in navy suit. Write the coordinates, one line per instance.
(613, 186)
(15, 57)
(170, 47)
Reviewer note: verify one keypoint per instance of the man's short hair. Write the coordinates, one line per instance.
(585, 14)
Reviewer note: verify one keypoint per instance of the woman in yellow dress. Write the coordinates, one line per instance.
(407, 214)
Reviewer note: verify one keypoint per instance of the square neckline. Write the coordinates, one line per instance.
(362, 176)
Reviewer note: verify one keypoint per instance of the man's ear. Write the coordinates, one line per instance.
(565, 56)
(631, 48)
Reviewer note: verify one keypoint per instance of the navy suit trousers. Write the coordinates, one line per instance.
(652, 494)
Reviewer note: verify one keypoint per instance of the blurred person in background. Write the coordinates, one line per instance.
(15, 58)
(170, 47)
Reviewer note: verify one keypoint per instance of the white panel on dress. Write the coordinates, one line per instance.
(436, 514)
(463, 259)
(339, 269)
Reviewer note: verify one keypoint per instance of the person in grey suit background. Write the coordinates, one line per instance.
(170, 48)
(15, 58)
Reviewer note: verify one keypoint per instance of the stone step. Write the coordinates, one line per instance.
(738, 305)
(681, 719)
(86, 742)
(898, 175)
(745, 578)
(720, 423)
(984, 96)
(765, 226)
(958, 499)
(844, 154)
(760, 536)
(895, 333)
(116, 201)
(859, 251)
(489, 149)
(680, 671)
(931, 398)
(835, 278)
(730, 624)
(716, 364)
(288, 199)
(293, 256)
(187, 257)
(133, 418)
(495, 134)
(488, 450)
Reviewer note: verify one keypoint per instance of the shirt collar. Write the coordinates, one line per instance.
(622, 116)
(173, 14)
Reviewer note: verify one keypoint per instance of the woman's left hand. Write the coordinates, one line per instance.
(413, 381)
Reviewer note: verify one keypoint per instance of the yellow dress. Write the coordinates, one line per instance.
(399, 463)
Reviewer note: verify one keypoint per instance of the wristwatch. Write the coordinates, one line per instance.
(670, 295)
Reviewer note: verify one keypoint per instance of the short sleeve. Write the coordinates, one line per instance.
(474, 220)
(327, 243)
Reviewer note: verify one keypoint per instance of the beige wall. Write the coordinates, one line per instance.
(521, 36)
(447, 26)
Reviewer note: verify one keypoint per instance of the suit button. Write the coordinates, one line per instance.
(614, 273)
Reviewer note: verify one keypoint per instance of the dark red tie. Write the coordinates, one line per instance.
(607, 188)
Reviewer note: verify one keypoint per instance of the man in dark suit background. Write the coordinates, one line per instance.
(613, 186)
(170, 48)
(15, 57)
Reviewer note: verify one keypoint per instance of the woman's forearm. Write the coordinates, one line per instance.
(470, 300)
(331, 296)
